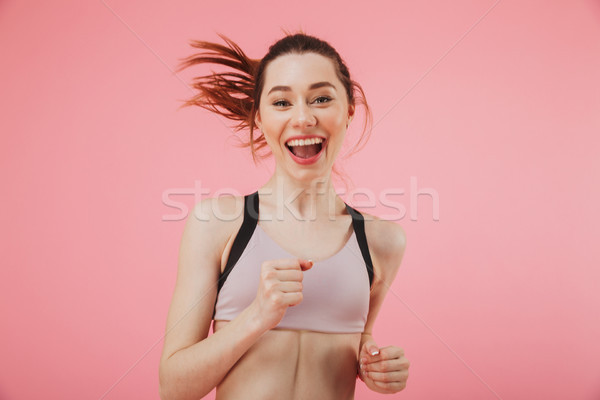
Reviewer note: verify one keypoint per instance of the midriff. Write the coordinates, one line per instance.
(294, 365)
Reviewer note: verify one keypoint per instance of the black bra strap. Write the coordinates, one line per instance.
(243, 237)
(358, 223)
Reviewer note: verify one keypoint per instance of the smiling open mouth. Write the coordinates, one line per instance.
(305, 148)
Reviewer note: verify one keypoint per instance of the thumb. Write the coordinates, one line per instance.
(306, 264)
(371, 347)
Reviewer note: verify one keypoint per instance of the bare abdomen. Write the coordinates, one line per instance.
(292, 364)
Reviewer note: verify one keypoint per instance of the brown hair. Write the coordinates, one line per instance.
(236, 94)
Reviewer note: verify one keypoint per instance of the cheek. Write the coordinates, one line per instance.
(271, 129)
(333, 121)
(333, 116)
(272, 121)
(271, 140)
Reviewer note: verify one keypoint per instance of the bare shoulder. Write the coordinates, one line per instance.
(387, 243)
(218, 210)
(207, 230)
(218, 217)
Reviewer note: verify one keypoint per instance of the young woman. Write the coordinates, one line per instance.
(291, 281)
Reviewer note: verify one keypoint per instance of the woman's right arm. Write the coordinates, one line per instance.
(192, 364)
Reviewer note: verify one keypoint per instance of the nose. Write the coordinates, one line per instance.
(303, 116)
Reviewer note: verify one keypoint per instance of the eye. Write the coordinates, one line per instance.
(281, 103)
(322, 99)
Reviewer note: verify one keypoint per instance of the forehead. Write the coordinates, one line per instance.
(300, 70)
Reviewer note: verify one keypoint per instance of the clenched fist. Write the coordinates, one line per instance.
(280, 287)
(383, 370)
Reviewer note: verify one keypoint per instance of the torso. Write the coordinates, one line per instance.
(291, 364)
(295, 364)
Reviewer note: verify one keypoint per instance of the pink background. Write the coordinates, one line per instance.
(497, 112)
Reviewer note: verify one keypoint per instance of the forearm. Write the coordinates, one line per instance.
(193, 372)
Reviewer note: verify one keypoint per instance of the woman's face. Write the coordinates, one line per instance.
(303, 98)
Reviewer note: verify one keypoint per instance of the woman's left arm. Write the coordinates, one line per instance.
(385, 369)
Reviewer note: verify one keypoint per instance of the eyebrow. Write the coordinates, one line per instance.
(313, 86)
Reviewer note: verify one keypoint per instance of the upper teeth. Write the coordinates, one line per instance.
(304, 142)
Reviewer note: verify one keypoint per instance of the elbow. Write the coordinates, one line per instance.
(165, 388)
(162, 394)
(169, 392)
(171, 387)
(165, 394)
(163, 391)
(166, 391)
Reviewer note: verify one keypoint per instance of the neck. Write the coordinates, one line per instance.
(303, 200)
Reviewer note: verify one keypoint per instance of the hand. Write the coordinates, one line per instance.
(280, 287)
(386, 371)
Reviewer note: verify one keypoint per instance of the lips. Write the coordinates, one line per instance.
(305, 154)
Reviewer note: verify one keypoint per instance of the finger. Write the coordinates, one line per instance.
(369, 349)
(292, 298)
(386, 353)
(290, 287)
(388, 365)
(289, 275)
(388, 377)
(392, 351)
(306, 264)
(287, 263)
(363, 376)
(283, 263)
(391, 387)
(364, 357)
